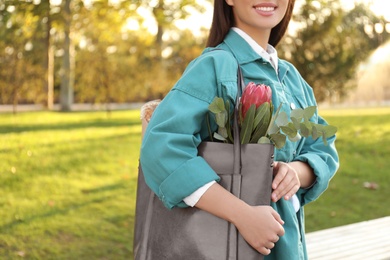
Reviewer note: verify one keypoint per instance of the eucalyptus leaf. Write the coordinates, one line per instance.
(222, 131)
(314, 132)
(264, 140)
(279, 140)
(324, 138)
(272, 128)
(221, 118)
(305, 129)
(281, 119)
(329, 130)
(217, 106)
(289, 130)
(296, 138)
(308, 112)
(246, 128)
(219, 137)
(297, 113)
(296, 122)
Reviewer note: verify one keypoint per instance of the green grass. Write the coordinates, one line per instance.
(364, 147)
(67, 185)
(68, 180)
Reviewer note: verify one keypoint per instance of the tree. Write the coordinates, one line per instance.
(67, 70)
(166, 12)
(20, 68)
(101, 71)
(328, 45)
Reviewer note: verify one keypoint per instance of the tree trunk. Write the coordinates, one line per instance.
(66, 91)
(49, 63)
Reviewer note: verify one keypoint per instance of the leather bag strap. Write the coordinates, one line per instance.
(236, 130)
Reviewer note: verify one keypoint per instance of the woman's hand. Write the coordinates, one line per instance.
(260, 226)
(289, 177)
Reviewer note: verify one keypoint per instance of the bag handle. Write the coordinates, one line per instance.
(236, 130)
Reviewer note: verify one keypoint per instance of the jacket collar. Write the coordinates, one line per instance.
(244, 53)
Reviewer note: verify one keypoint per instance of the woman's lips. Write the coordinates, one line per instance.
(265, 9)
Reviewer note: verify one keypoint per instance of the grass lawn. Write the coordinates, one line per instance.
(68, 180)
(364, 148)
(67, 185)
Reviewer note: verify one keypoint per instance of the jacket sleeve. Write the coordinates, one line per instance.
(323, 159)
(168, 157)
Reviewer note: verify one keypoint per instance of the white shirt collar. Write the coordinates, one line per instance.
(270, 54)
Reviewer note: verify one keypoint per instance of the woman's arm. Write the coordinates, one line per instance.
(289, 177)
(260, 226)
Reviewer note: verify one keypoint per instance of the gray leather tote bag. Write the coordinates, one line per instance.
(190, 233)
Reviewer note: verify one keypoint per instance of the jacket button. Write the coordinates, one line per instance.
(292, 106)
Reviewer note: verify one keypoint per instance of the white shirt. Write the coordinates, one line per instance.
(271, 56)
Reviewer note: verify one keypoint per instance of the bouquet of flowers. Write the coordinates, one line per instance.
(258, 124)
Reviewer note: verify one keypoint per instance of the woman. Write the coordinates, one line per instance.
(243, 31)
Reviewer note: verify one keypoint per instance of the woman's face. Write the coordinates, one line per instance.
(258, 16)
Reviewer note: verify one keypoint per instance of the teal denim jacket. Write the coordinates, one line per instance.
(169, 158)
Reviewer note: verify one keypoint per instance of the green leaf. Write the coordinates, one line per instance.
(217, 106)
(329, 130)
(272, 127)
(324, 138)
(296, 138)
(221, 118)
(314, 132)
(279, 140)
(240, 119)
(219, 137)
(223, 132)
(308, 112)
(297, 114)
(246, 128)
(261, 129)
(289, 130)
(305, 128)
(229, 123)
(264, 140)
(281, 119)
(296, 122)
(261, 112)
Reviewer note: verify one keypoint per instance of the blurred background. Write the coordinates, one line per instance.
(73, 74)
(100, 52)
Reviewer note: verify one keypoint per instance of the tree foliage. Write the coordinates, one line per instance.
(113, 62)
(19, 66)
(329, 44)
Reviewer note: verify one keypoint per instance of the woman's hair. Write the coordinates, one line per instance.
(223, 20)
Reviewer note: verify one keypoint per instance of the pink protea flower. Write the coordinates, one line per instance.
(255, 94)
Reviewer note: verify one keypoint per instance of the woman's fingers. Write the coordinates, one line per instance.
(286, 182)
(261, 227)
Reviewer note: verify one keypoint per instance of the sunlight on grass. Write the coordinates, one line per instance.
(68, 184)
(370, 111)
(363, 142)
(68, 181)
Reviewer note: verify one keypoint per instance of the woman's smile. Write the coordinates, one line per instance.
(265, 9)
(257, 18)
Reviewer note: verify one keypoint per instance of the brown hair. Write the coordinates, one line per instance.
(223, 20)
